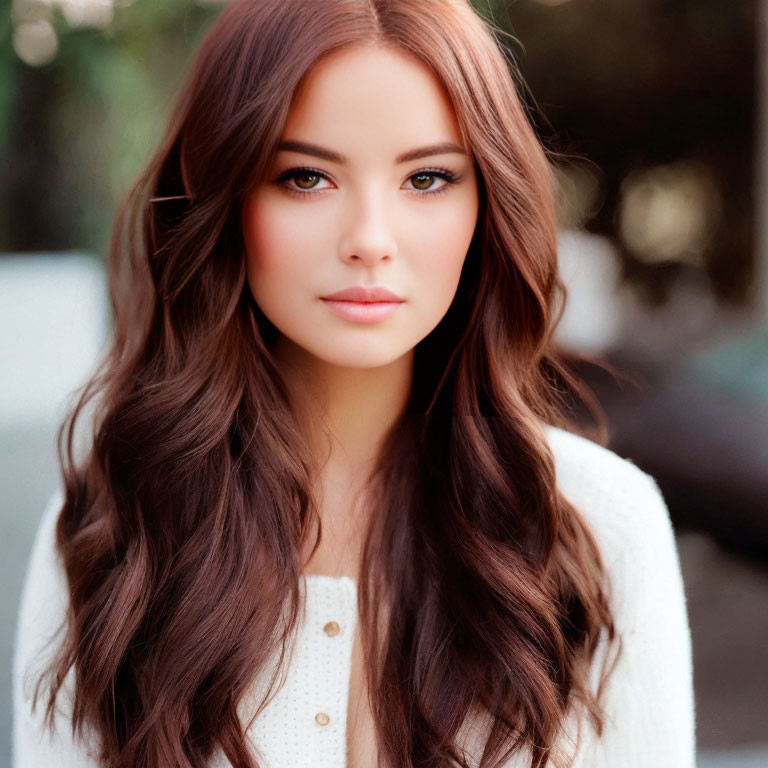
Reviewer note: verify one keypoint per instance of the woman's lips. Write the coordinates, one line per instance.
(363, 311)
(363, 303)
(364, 293)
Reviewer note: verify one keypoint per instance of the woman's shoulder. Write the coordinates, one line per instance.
(44, 597)
(594, 477)
(621, 504)
(649, 701)
(41, 620)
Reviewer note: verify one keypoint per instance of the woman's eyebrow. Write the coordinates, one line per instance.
(306, 148)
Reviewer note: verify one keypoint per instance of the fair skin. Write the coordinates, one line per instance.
(367, 218)
(361, 217)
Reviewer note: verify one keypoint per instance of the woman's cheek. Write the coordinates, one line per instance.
(276, 247)
(443, 246)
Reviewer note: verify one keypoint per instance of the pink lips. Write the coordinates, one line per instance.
(367, 293)
(363, 304)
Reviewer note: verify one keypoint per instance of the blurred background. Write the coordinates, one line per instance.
(656, 115)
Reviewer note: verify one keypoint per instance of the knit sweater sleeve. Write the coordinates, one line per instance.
(648, 699)
(39, 629)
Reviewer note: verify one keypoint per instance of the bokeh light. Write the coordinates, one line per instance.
(668, 212)
(35, 42)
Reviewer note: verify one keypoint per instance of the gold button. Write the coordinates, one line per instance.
(322, 719)
(331, 629)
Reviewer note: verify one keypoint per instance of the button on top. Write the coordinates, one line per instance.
(322, 719)
(331, 629)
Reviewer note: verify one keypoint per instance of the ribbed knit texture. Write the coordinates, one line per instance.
(649, 698)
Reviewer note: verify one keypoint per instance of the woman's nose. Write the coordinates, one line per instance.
(368, 236)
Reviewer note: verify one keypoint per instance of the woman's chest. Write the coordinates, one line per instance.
(318, 712)
(361, 735)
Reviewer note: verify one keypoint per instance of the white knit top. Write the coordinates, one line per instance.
(649, 697)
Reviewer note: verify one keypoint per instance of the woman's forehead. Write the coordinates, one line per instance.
(373, 97)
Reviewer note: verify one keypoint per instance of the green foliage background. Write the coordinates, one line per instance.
(74, 133)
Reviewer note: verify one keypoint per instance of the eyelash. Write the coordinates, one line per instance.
(442, 173)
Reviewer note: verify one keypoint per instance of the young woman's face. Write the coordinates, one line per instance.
(372, 188)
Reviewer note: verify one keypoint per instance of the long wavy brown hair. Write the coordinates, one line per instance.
(183, 521)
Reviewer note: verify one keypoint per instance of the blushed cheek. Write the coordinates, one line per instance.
(270, 248)
(261, 232)
(280, 243)
(441, 253)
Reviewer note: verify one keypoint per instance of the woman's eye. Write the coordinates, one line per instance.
(424, 181)
(305, 181)
(301, 182)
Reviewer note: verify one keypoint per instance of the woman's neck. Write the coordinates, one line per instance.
(352, 408)
(344, 414)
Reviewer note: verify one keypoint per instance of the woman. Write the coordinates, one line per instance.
(335, 289)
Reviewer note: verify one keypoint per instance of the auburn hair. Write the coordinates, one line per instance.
(184, 517)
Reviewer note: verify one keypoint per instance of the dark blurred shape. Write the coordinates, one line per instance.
(639, 85)
(702, 431)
